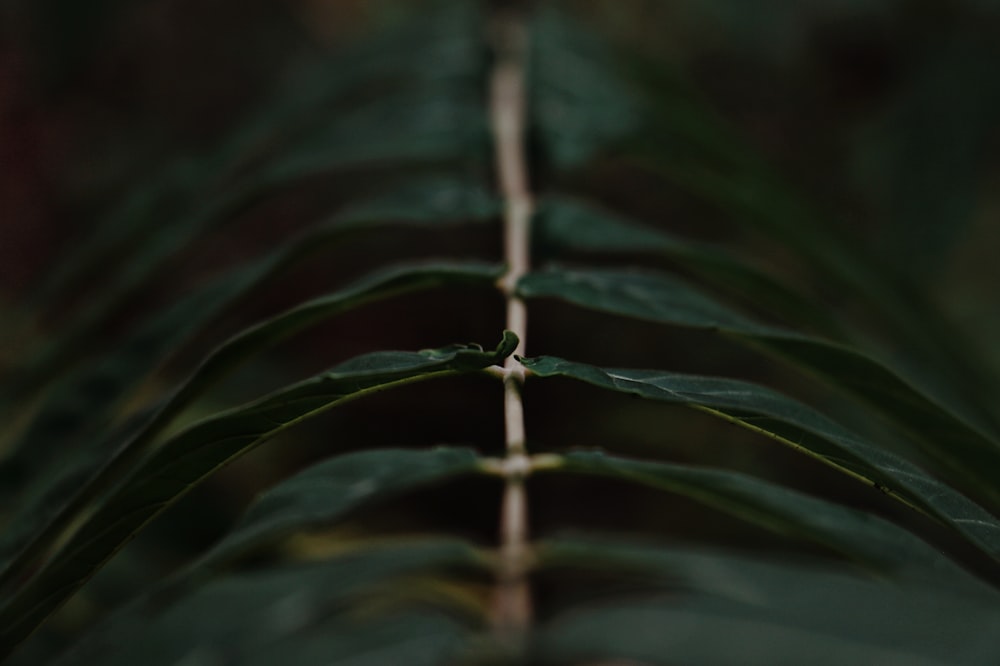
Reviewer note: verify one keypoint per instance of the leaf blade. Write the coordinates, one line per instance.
(811, 433)
(193, 454)
(93, 469)
(326, 491)
(771, 611)
(963, 450)
(293, 610)
(850, 532)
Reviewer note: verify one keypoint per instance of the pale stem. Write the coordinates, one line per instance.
(512, 609)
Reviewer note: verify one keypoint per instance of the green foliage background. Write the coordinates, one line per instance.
(761, 333)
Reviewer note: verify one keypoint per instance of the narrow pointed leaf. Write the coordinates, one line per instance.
(438, 47)
(856, 534)
(855, 622)
(91, 469)
(581, 104)
(961, 449)
(566, 224)
(191, 455)
(323, 493)
(290, 610)
(424, 201)
(768, 611)
(796, 425)
(722, 573)
(86, 396)
(433, 119)
(677, 134)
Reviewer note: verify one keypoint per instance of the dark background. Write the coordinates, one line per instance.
(883, 113)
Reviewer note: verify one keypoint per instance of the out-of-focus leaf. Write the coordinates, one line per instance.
(946, 435)
(687, 141)
(324, 492)
(435, 47)
(88, 471)
(429, 48)
(858, 535)
(435, 119)
(580, 102)
(300, 614)
(434, 125)
(86, 397)
(566, 224)
(793, 424)
(932, 144)
(421, 637)
(724, 609)
(191, 455)
(691, 568)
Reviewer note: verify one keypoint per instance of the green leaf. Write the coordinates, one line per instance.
(439, 124)
(427, 49)
(191, 455)
(80, 476)
(674, 567)
(436, 46)
(430, 201)
(581, 105)
(566, 224)
(87, 396)
(963, 450)
(795, 425)
(691, 144)
(322, 493)
(779, 615)
(433, 118)
(859, 535)
(419, 637)
(767, 611)
(294, 614)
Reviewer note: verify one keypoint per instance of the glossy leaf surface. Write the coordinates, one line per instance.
(790, 422)
(191, 455)
(964, 450)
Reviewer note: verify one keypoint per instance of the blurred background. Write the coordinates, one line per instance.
(882, 113)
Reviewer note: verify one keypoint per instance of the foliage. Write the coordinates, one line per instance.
(722, 464)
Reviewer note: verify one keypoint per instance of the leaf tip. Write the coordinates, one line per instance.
(507, 344)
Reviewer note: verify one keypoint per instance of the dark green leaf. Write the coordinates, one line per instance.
(188, 457)
(705, 155)
(581, 105)
(435, 117)
(437, 46)
(961, 449)
(800, 427)
(80, 476)
(418, 637)
(768, 612)
(425, 201)
(856, 534)
(292, 614)
(789, 616)
(86, 396)
(566, 224)
(725, 574)
(328, 490)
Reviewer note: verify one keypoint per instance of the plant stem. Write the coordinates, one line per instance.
(512, 609)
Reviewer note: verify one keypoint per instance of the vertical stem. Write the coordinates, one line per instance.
(512, 609)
